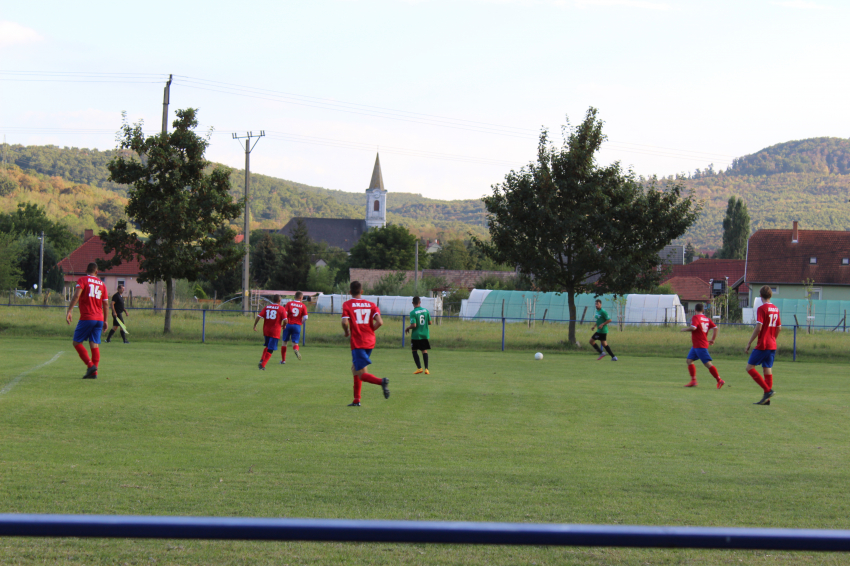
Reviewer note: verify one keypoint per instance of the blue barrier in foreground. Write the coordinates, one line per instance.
(220, 528)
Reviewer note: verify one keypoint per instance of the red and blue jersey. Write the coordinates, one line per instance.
(702, 324)
(360, 313)
(295, 312)
(92, 298)
(768, 316)
(272, 316)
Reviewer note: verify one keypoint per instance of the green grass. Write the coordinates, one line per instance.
(191, 429)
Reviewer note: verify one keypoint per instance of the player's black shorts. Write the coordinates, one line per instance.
(600, 337)
(420, 344)
(115, 320)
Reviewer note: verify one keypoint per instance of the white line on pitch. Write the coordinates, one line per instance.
(15, 381)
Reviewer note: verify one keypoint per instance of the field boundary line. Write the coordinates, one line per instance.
(19, 377)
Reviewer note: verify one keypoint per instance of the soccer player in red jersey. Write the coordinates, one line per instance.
(767, 329)
(296, 314)
(94, 303)
(272, 316)
(700, 325)
(360, 320)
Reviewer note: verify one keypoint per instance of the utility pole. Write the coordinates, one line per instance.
(416, 271)
(41, 263)
(166, 99)
(246, 289)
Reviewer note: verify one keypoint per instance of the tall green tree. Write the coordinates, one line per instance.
(690, 253)
(390, 247)
(453, 255)
(31, 220)
(267, 251)
(29, 254)
(736, 230)
(10, 271)
(293, 270)
(184, 210)
(579, 227)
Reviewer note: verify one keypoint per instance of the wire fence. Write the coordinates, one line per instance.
(205, 324)
(420, 532)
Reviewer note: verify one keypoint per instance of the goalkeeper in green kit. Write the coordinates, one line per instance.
(420, 320)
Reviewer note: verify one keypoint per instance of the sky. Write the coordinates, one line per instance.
(453, 94)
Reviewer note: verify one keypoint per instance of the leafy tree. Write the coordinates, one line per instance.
(29, 250)
(390, 247)
(31, 220)
(690, 253)
(10, 272)
(267, 251)
(453, 255)
(321, 279)
(184, 210)
(292, 271)
(579, 227)
(736, 230)
(8, 185)
(389, 284)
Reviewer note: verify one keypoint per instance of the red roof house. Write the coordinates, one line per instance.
(74, 267)
(786, 259)
(715, 273)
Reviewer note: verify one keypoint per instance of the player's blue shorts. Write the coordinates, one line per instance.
(88, 331)
(763, 358)
(700, 354)
(271, 343)
(360, 358)
(292, 332)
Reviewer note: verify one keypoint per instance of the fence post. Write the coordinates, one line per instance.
(503, 334)
(402, 331)
(582, 315)
(303, 333)
(204, 327)
(795, 345)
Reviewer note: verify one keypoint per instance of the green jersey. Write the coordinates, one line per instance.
(422, 319)
(601, 317)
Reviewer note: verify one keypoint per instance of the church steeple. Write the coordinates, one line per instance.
(376, 198)
(377, 179)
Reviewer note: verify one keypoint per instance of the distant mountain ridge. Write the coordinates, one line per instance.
(804, 180)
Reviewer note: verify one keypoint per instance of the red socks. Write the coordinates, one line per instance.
(266, 356)
(358, 385)
(692, 369)
(95, 356)
(760, 380)
(84, 354)
(713, 371)
(768, 379)
(369, 378)
(283, 353)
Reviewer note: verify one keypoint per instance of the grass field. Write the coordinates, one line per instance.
(191, 429)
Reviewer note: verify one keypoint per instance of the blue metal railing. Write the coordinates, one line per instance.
(339, 530)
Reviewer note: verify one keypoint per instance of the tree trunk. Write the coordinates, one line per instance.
(169, 293)
(571, 301)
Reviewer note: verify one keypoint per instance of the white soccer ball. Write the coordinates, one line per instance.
(538, 356)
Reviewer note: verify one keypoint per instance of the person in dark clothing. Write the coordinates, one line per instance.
(118, 310)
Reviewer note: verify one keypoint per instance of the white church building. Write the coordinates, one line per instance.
(345, 232)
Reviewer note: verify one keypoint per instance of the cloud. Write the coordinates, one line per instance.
(12, 33)
(801, 5)
(640, 4)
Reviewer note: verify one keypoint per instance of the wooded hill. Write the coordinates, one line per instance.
(273, 201)
(806, 180)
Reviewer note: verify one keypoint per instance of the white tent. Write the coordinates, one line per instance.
(388, 305)
(654, 308)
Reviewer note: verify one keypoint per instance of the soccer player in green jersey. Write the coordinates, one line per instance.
(420, 320)
(601, 334)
